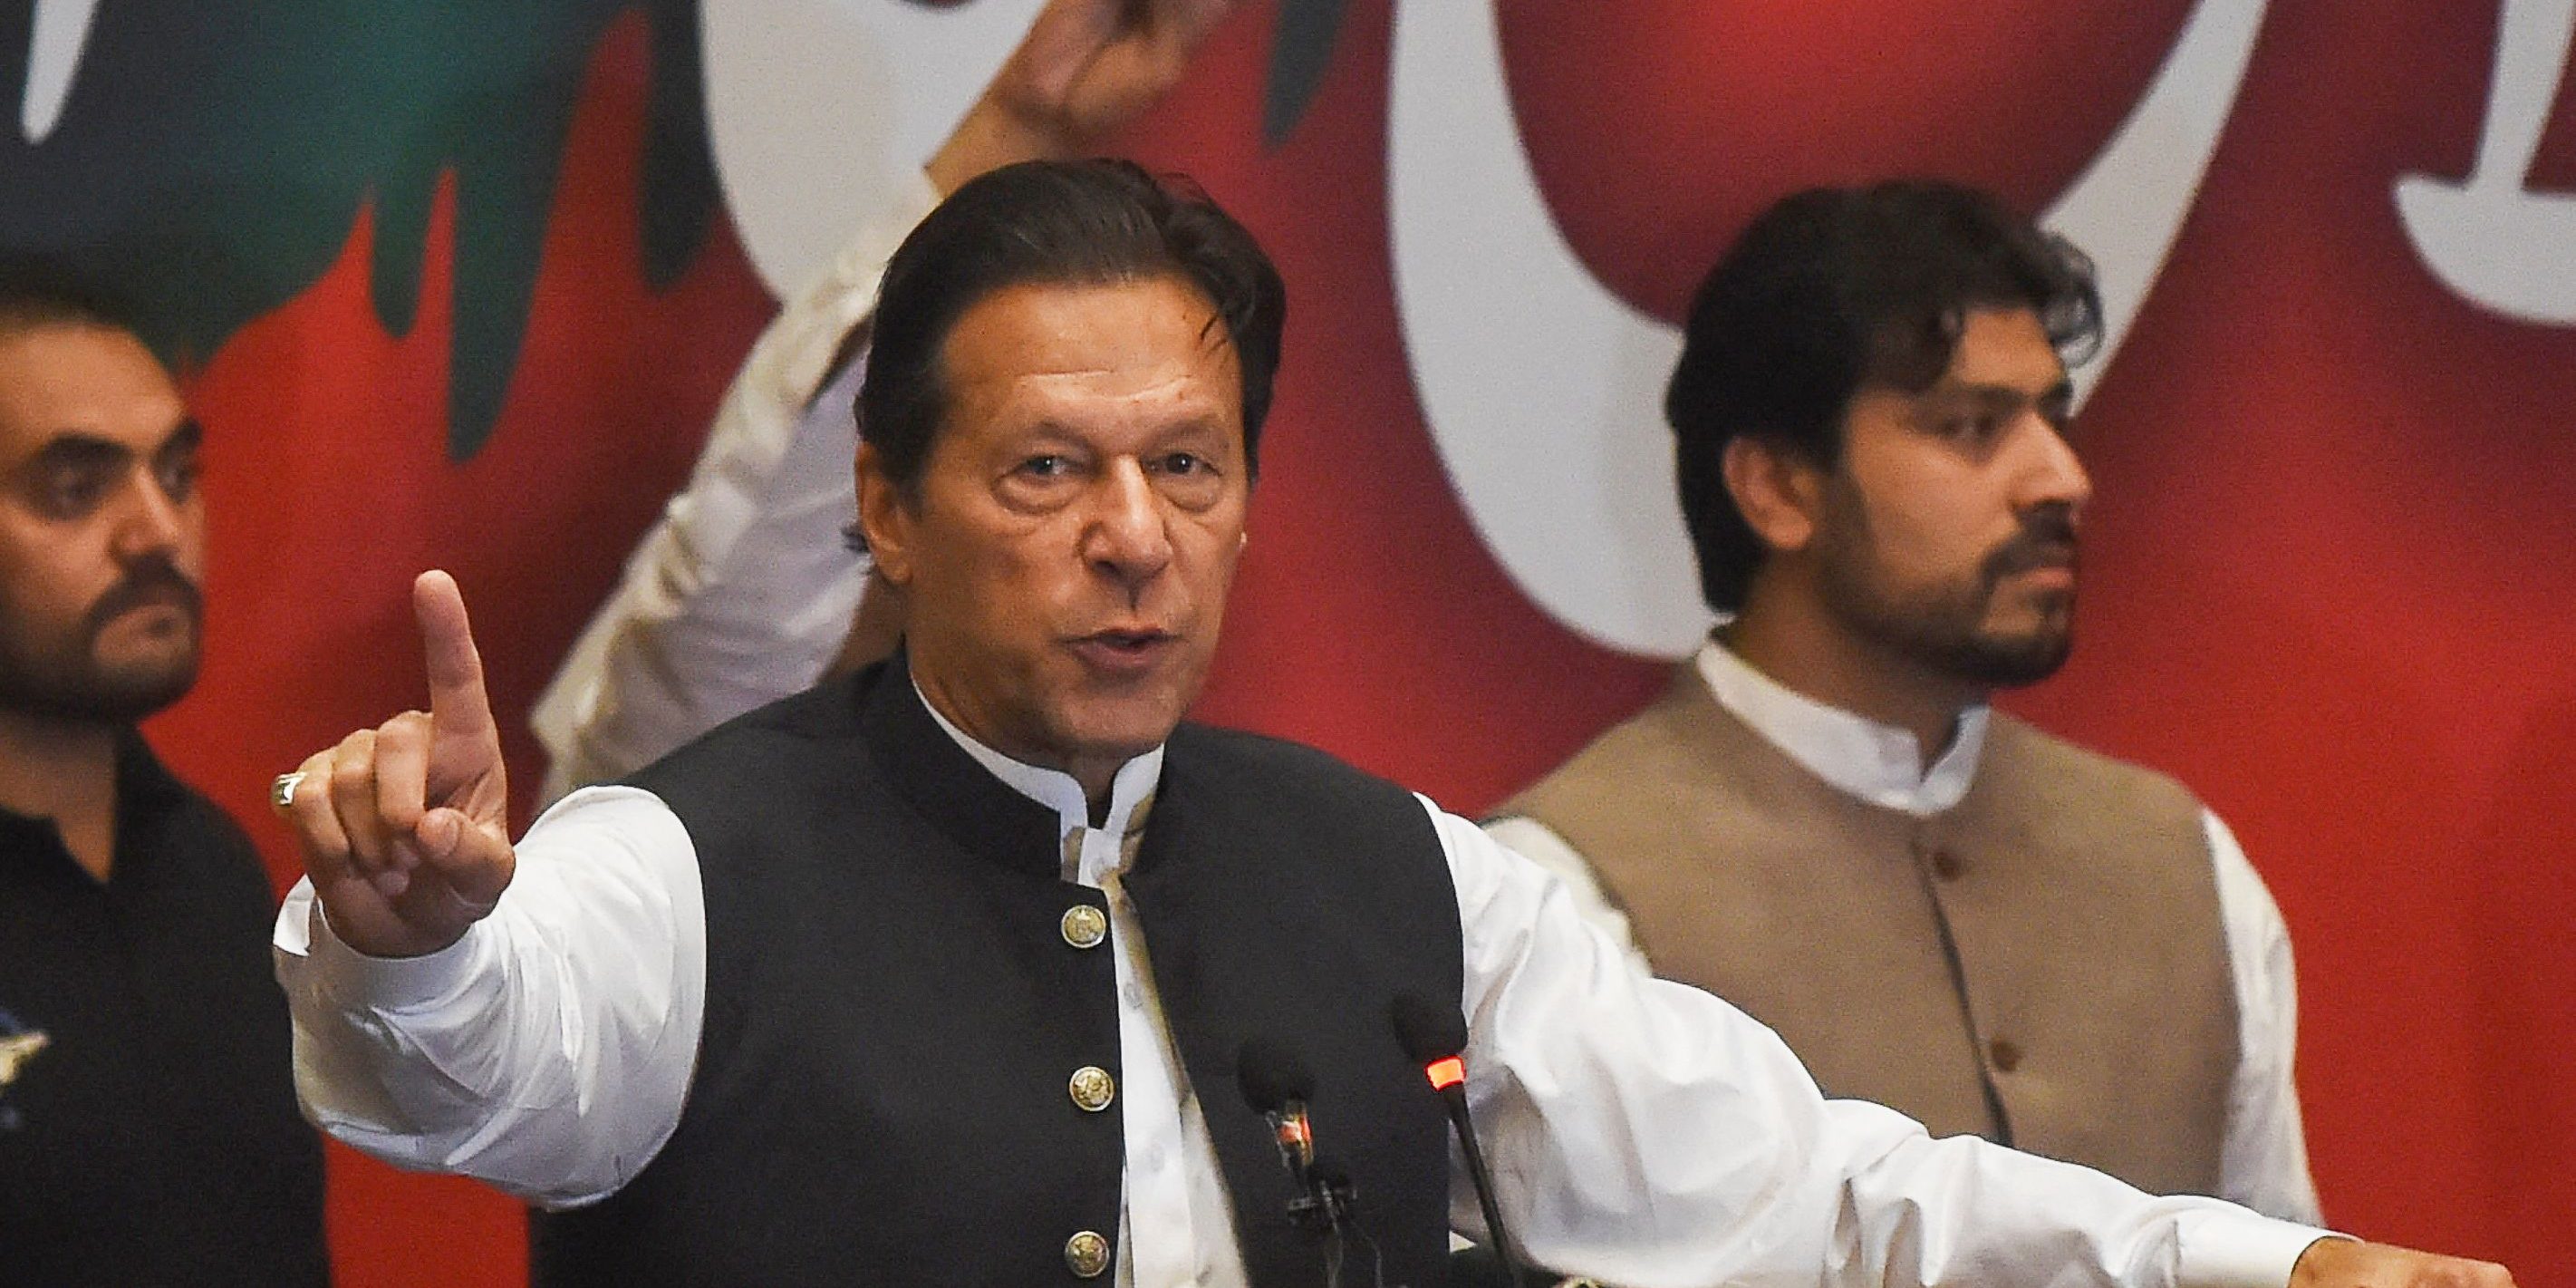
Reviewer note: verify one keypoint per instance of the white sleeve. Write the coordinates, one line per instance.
(1646, 1133)
(1540, 844)
(547, 1052)
(2264, 1161)
(744, 591)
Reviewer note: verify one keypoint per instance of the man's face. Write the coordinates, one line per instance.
(1947, 533)
(102, 531)
(1077, 522)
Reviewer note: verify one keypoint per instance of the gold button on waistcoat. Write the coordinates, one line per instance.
(2006, 1053)
(1086, 1254)
(1084, 926)
(1941, 860)
(1092, 1088)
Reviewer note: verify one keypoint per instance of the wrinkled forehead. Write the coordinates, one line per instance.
(1150, 347)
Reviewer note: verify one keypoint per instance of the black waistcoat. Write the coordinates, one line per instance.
(894, 1010)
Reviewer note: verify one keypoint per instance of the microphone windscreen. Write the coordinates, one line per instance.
(1271, 1075)
(1428, 1030)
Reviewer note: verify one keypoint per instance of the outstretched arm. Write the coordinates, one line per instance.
(1642, 1131)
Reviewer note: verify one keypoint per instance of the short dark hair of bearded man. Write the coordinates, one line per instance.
(1828, 292)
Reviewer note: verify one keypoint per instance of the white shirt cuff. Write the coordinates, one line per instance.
(391, 985)
(2242, 1250)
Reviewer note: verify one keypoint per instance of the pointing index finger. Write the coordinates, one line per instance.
(457, 705)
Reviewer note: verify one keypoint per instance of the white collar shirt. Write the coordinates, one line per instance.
(1877, 763)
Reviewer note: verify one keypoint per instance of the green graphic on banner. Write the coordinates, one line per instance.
(1301, 51)
(207, 161)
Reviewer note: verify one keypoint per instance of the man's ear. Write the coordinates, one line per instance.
(1779, 492)
(884, 521)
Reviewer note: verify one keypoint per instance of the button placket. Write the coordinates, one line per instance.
(1938, 865)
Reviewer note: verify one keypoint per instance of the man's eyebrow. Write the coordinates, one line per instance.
(186, 438)
(76, 449)
(1206, 422)
(2001, 394)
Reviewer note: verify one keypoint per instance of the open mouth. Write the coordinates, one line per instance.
(1124, 650)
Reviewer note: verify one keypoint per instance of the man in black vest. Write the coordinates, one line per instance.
(148, 1132)
(941, 974)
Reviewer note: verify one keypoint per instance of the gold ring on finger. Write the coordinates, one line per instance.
(281, 790)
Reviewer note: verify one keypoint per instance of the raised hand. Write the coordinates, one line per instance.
(1085, 68)
(405, 827)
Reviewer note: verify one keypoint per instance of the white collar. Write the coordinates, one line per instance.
(1128, 791)
(1878, 763)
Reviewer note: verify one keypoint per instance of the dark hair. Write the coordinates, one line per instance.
(1057, 222)
(1834, 290)
(38, 292)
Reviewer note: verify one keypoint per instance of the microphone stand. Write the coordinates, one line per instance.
(1435, 1037)
(1277, 1085)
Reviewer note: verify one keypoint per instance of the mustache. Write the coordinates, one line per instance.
(2046, 540)
(150, 580)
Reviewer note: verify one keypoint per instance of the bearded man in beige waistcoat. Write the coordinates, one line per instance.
(1940, 907)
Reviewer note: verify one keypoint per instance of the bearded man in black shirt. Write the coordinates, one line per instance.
(148, 1130)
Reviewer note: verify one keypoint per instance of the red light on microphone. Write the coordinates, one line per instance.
(1296, 1134)
(1446, 1073)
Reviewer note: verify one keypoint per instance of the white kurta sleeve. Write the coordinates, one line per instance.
(547, 1052)
(1648, 1134)
(744, 591)
(2263, 1163)
(1540, 844)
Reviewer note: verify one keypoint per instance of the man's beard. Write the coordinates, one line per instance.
(1942, 629)
(66, 681)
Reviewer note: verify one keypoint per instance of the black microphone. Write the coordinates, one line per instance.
(1277, 1085)
(1434, 1036)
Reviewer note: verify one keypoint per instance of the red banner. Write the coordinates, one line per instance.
(2329, 567)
